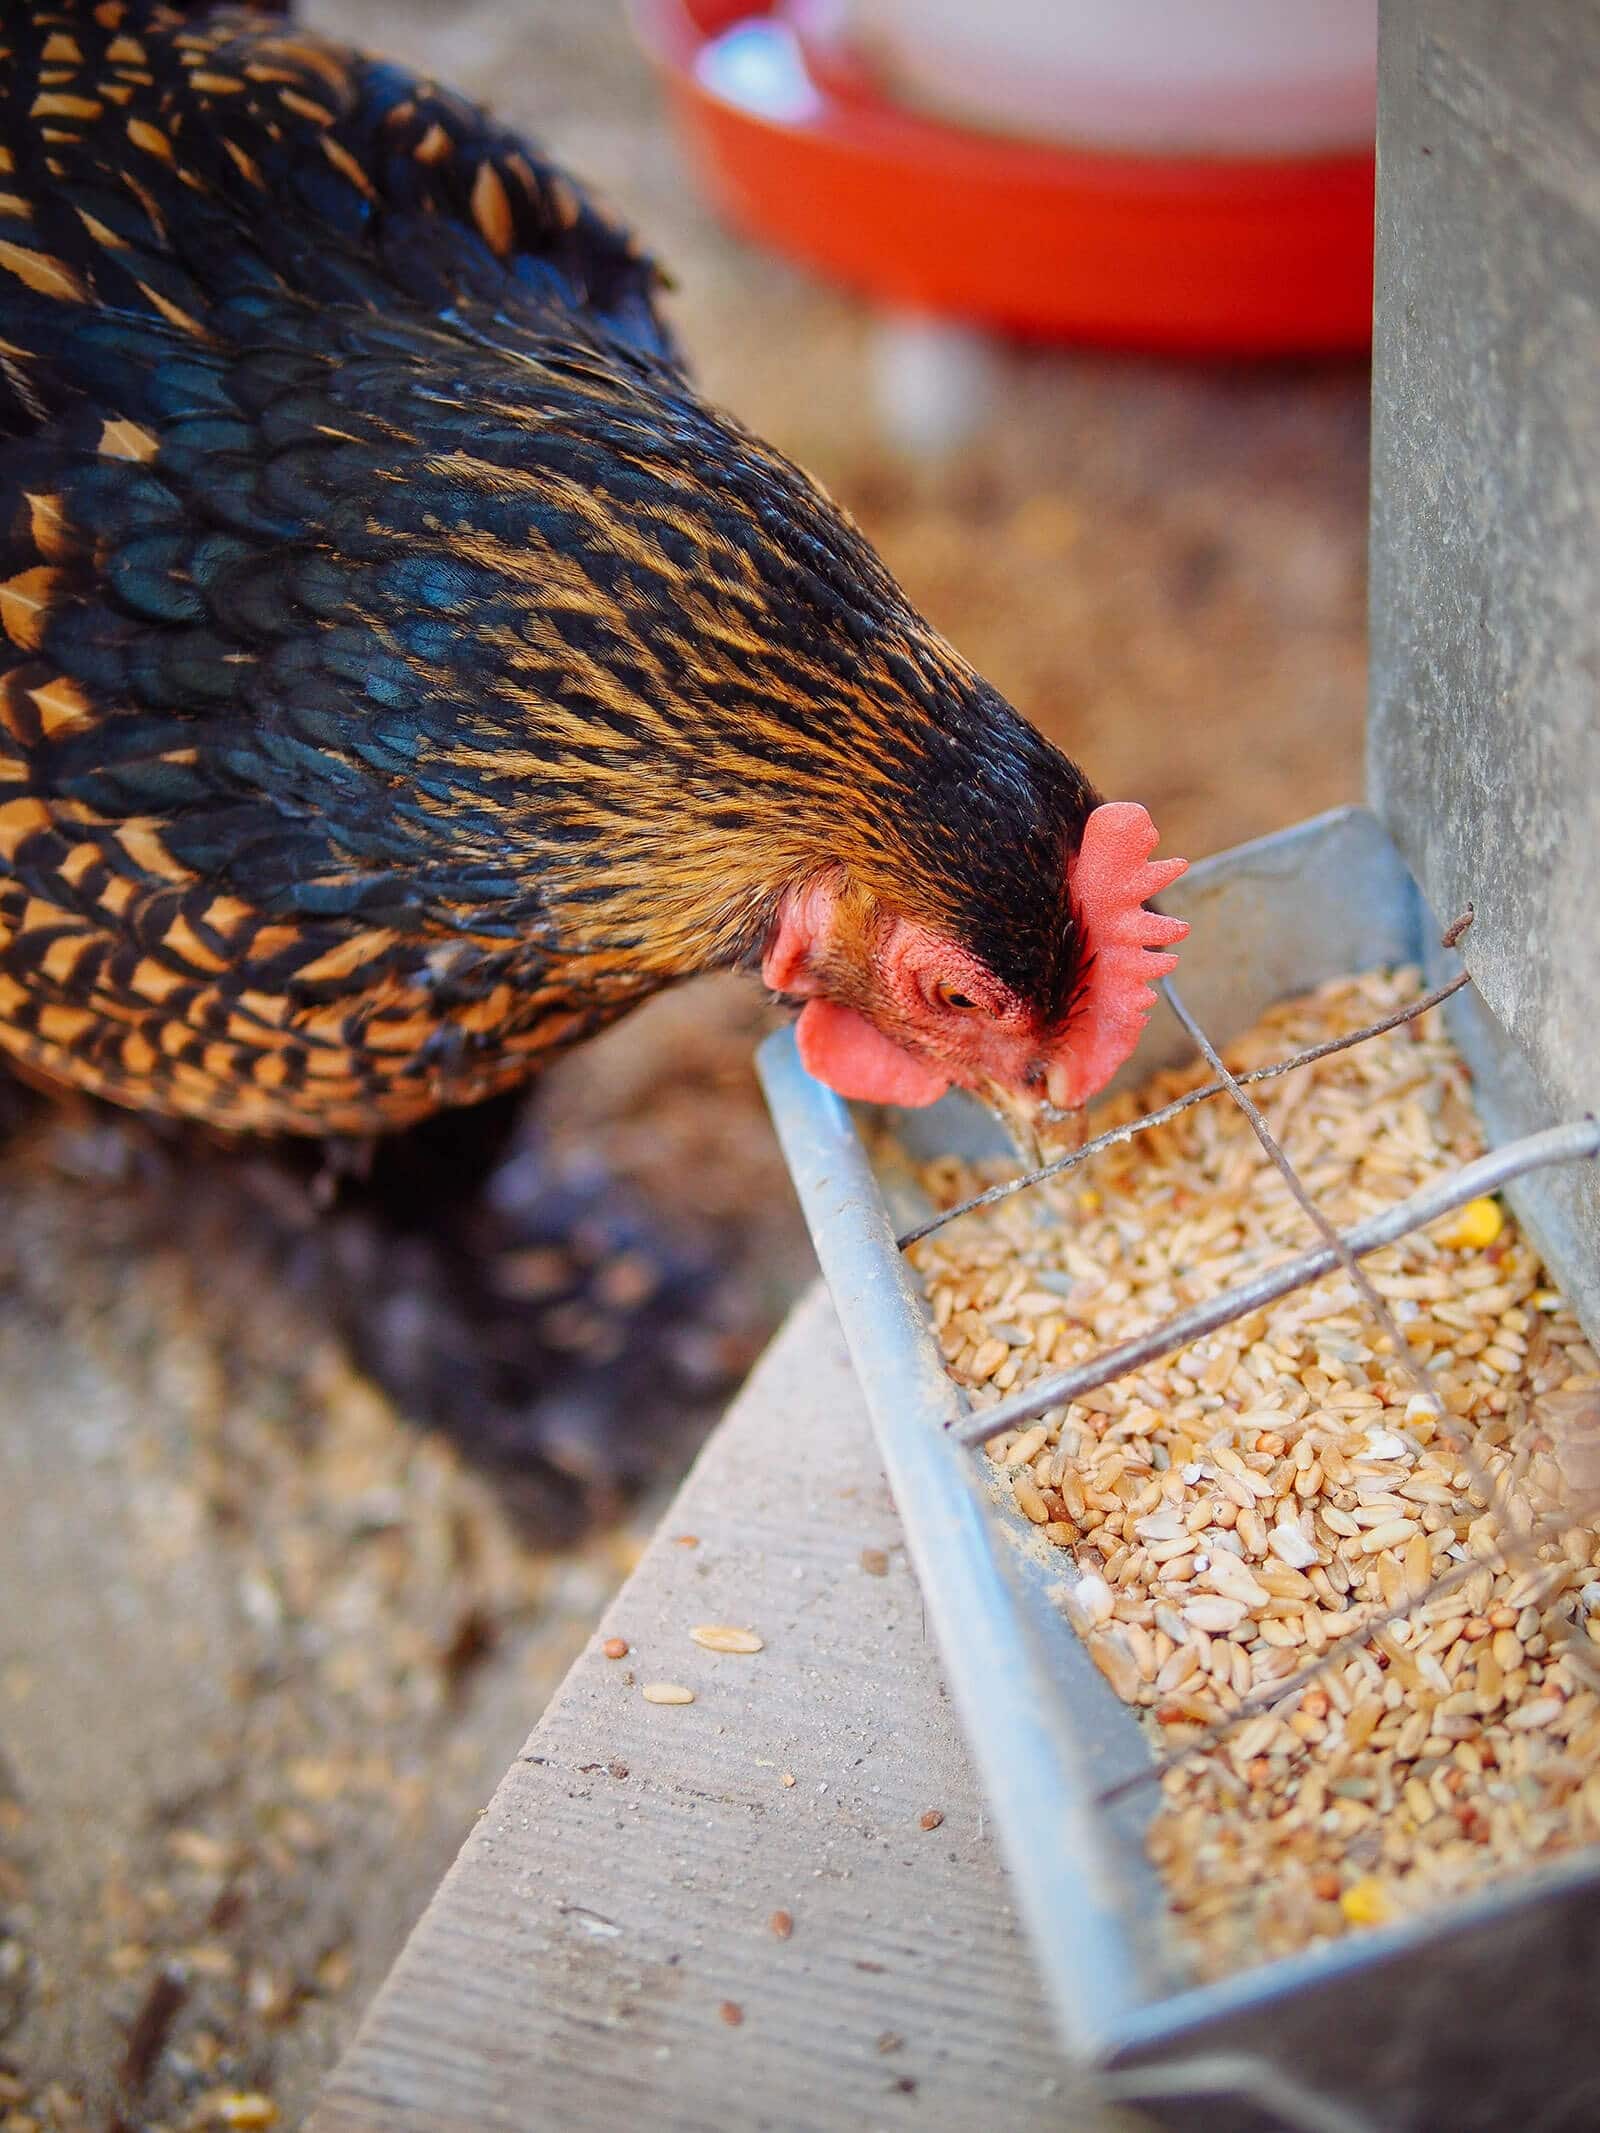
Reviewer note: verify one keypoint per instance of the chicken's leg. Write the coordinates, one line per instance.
(529, 1305)
(525, 1303)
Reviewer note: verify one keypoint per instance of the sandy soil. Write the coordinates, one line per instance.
(263, 1647)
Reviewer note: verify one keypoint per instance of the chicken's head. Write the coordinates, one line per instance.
(898, 1010)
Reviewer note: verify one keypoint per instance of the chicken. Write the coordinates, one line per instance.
(406, 673)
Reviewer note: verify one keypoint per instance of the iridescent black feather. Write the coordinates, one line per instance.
(403, 671)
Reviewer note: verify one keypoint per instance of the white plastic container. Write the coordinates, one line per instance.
(1162, 77)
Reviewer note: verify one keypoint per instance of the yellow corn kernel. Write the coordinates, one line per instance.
(1472, 1227)
(248, 2110)
(1365, 1903)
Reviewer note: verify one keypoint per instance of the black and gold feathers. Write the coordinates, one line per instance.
(402, 671)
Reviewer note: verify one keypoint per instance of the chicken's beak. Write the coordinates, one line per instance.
(1038, 1130)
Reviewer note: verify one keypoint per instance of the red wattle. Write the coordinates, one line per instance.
(842, 1049)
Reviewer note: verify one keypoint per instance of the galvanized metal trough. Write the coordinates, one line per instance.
(1479, 2016)
(1484, 773)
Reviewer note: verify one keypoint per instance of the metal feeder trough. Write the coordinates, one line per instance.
(1485, 766)
(1448, 2023)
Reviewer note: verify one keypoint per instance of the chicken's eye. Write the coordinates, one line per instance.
(951, 996)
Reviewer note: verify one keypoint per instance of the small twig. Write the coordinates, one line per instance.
(147, 2036)
(1117, 1135)
(1556, 1144)
(1452, 933)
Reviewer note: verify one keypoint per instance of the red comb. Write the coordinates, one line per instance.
(1110, 879)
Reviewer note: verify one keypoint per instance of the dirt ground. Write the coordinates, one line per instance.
(264, 1648)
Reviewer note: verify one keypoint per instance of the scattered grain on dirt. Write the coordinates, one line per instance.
(244, 2111)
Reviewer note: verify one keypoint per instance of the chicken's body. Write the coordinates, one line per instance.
(253, 774)
(402, 671)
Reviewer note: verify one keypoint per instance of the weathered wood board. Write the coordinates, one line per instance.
(601, 1953)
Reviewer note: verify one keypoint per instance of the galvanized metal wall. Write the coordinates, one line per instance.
(1484, 747)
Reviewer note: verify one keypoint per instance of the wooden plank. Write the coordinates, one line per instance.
(582, 1962)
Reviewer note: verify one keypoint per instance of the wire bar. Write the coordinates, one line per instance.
(1557, 1144)
(1115, 1136)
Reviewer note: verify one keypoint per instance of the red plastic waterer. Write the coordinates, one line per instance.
(1202, 185)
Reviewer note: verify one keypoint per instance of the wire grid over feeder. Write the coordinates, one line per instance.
(1483, 765)
(1372, 1966)
(1329, 1557)
(1341, 1550)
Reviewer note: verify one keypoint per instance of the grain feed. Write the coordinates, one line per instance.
(1234, 1511)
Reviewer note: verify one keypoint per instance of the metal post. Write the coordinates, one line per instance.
(1484, 747)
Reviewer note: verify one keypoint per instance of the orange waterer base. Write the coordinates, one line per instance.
(1237, 256)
